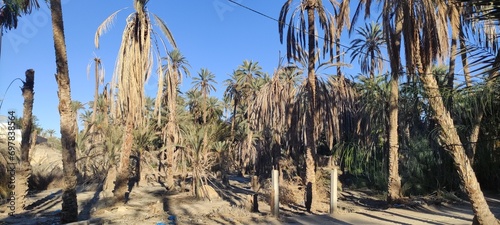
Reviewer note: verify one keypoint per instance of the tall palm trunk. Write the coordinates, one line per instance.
(24, 171)
(69, 212)
(121, 183)
(310, 123)
(372, 65)
(394, 181)
(96, 90)
(171, 131)
(133, 66)
(393, 39)
(451, 142)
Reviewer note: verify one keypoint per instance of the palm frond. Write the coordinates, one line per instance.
(165, 30)
(104, 27)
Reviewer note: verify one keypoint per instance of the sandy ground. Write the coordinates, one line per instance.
(152, 204)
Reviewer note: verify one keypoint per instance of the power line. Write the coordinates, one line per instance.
(292, 26)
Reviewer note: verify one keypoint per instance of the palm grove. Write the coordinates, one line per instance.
(433, 108)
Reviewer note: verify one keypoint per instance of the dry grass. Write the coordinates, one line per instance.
(46, 168)
(44, 178)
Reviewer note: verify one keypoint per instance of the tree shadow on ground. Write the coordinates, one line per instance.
(365, 200)
(85, 214)
(45, 210)
(385, 220)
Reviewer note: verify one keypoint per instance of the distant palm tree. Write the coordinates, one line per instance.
(168, 88)
(249, 79)
(193, 104)
(368, 48)
(69, 212)
(204, 83)
(232, 97)
(99, 77)
(51, 132)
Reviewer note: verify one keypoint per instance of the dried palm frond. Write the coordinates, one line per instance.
(164, 28)
(104, 27)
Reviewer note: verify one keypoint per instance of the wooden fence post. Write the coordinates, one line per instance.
(275, 194)
(333, 192)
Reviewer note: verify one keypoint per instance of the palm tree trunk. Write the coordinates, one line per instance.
(121, 184)
(393, 39)
(96, 92)
(24, 171)
(373, 63)
(172, 137)
(310, 123)
(394, 181)
(69, 212)
(170, 143)
(454, 21)
(451, 142)
(478, 117)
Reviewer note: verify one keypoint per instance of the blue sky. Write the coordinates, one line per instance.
(213, 34)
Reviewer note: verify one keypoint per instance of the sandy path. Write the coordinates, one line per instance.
(150, 205)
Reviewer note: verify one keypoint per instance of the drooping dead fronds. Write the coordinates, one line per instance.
(165, 30)
(335, 108)
(104, 27)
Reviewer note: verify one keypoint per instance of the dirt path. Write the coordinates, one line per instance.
(152, 204)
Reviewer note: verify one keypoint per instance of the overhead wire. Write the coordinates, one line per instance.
(294, 27)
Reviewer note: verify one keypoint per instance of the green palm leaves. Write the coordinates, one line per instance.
(12, 9)
(368, 48)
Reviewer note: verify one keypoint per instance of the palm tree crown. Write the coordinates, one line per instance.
(367, 48)
(204, 82)
(12, 9)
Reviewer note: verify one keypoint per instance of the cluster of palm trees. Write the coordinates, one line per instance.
(394, 135)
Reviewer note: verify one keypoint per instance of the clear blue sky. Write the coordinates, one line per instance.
(213, 34)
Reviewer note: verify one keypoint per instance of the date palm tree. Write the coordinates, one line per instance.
(270, 113)
(392, 23)
(133, 68)
(301, 35)
(232, 97)
(248, 80)
(69, 212)
(99, 79)
(176, 65)
(27, 141)
(51, 132)
(368, 48)
(420, 30)
(204, 83)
